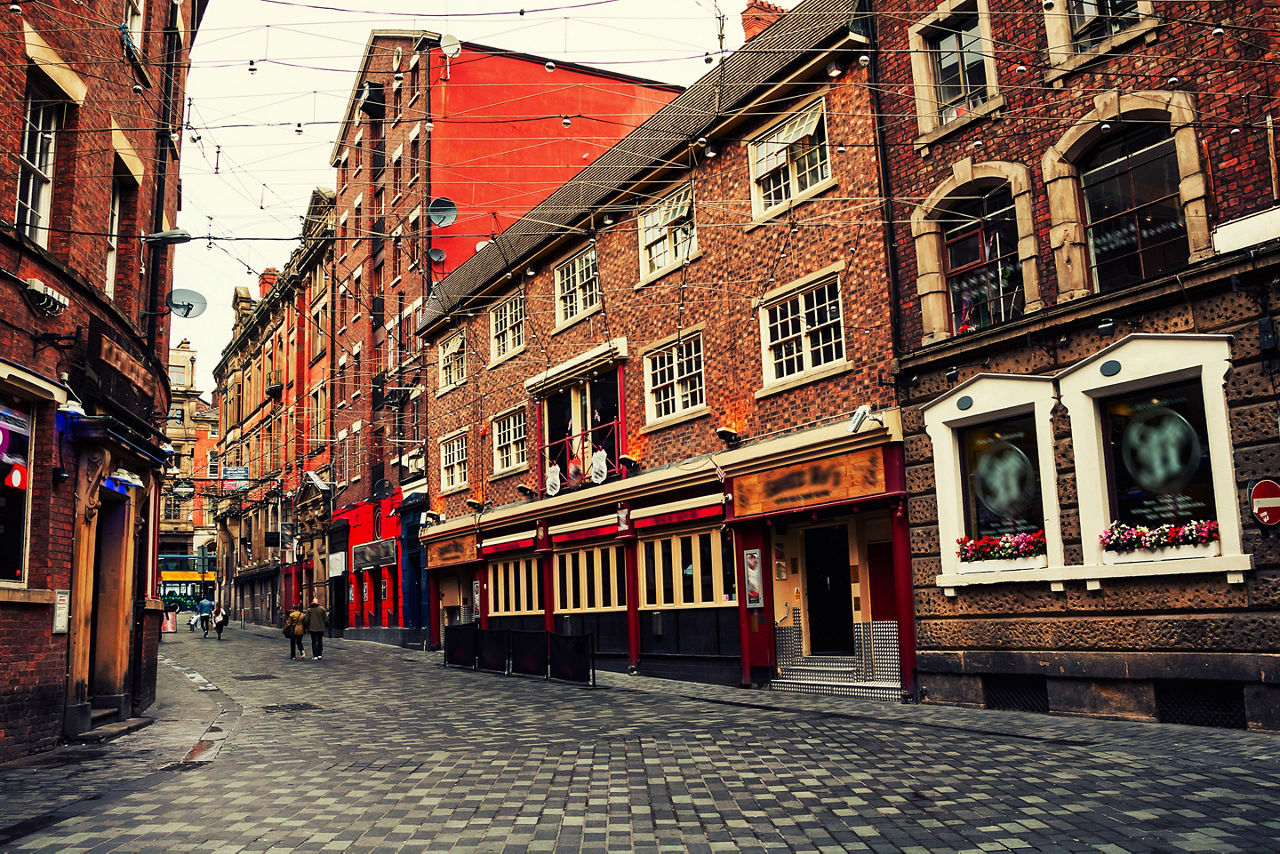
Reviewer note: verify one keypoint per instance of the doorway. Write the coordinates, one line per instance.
(829, 590)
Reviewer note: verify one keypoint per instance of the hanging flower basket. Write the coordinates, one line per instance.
(1003, 547)
(1122, 538)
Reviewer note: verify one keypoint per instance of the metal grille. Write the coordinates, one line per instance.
(877, 644)
(1016, 693)
(291, 707)
(1197, 702)
(787, 640)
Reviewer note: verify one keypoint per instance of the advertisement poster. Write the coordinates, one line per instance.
(755, 581)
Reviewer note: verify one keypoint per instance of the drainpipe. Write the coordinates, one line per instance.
(163, 128)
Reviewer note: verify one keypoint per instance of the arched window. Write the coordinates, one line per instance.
(984, 276)
(1135, 224)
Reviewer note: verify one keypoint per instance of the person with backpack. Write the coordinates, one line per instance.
(294, 627)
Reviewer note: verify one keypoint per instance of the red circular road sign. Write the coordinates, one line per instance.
(1264, 500)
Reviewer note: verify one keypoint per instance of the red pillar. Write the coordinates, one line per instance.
(904, 590)
(433, 611)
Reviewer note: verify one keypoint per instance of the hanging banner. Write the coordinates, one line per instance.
(599, 466)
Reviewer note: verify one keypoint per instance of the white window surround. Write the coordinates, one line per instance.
(457, 470)
(506, 328)
(572, 270)
(452, 363)
(759, 211)
(1144, 361)
(1063, 57)
(659, 228)
(981, 400)
(795, 290)
(652, 422)
(495, 422)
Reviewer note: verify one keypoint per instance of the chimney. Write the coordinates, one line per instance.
(266, 279)
(759, 15)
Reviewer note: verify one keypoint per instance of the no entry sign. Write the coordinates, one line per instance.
(1264, 500)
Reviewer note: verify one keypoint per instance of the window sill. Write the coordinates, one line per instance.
(672, 420)
(510, 354)
(441, 392)
(650, 278)
(1061, 67)
(989, 109)
(577, 318)
(1139, 569)
(453, 490)
(726, 604)
(804, 379)
(506, 473)
(770, 215)
(23, 596)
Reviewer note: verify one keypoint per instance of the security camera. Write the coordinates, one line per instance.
(860, 415)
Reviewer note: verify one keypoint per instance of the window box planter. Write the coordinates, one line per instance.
(1004, 564)
(1213, 549)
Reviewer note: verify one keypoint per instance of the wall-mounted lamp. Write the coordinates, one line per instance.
(398, 76)
(834, 69)
(476, 504)
(430, 517)
(526, 490)
(952, 374)
(631, 462)
(123, 475)
(1106, 326)
(729, 436)
(72, 408)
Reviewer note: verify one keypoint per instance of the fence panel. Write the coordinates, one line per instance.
(491, 649)
(529, 652)
(460, 645)
(572, 658)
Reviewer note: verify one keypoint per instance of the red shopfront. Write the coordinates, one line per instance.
(454, 579)
(373, 578)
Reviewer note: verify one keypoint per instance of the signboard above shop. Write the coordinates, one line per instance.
(376, 553)
(825, 481)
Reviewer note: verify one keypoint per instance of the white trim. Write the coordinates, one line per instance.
(1146, 361)
(583, 525)
(990, 397)
(605, 354)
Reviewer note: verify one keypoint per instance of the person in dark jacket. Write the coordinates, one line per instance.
(294, 626)
(316, 622)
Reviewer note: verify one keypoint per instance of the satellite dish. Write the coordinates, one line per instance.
(450, 46)
(186, 303)
(436, 254)
(442, 211)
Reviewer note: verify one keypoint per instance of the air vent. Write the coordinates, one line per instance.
(1016, 693)
(1200, 702)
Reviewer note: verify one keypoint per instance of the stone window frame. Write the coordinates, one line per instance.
(1062, 54)
(1136, 362)
(980, 400)
(919, 35)
(931, 278)
(1068, 236)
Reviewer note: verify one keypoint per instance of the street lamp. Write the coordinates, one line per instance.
(171, 237)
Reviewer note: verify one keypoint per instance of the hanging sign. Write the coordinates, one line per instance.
(599, 466)
(1264, 500)
(553, 479)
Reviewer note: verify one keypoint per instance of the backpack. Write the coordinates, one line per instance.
(287, 631)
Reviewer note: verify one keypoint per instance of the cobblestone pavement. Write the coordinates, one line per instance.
(374, 748)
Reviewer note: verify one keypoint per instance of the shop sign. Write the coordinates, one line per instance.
(754, 578)
(376, 553)
(457, 550)
(823, 481)
(61, 611)
(337, 564)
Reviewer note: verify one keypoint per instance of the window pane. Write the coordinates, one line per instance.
(620, 568)
(562, 564)
(606, 579)
(668, 574)
(589, 561)
(687, 570)
(1002, 478)
(575, 583)
(15, 439)
(728, 568)
(650, 574)
(705, 567)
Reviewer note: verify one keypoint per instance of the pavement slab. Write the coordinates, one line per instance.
(375, 748)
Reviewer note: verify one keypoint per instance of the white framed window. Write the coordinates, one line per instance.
(802, 331)
(591, 579)
(667, 234)
(453, 362)
(453, 462)
(994, 473)
(507, 327)
(1152, 442)
(690, 569)
(510, 449)
(113, 238)
(1080, 30)
(515, 587)
(577, 287)
(16, 423)
(791, 161)
(674, 383)
(132, 23)
(43, 120)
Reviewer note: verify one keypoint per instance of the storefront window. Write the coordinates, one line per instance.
(591, 579)
(688, 569)
(15, 453)
(1001, 478)
(1157, 456)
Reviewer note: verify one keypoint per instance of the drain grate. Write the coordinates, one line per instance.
(291, 707)
(255, 678)
(1200, 702)
(1016, 693)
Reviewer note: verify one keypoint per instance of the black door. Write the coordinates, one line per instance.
(830, 597)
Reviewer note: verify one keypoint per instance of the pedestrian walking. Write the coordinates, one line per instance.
(219, 617)
(317, 622)
(294, 626)
(204, 609)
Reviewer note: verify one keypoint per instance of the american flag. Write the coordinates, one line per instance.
(719, 471)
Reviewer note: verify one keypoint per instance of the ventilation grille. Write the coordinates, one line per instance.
(1198, 702)
(1016, 693)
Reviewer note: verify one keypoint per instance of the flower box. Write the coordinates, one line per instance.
(1003, 564)
(1213, 549)
(1016, 548)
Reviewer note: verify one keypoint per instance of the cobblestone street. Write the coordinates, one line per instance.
(375, 748)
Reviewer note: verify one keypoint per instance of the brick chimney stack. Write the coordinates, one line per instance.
(266, 279)
(757, 16)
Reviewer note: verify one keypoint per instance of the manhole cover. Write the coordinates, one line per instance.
(258, 678)
(291, 707)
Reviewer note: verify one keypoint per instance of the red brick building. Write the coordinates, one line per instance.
(92, 101)
(1085, 217)
(442, 146)
(660, 407)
